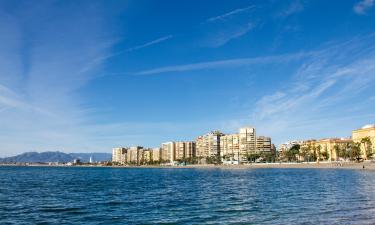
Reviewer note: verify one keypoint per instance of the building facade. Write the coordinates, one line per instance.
(208, 145)
(119, 155)
(263, 144)
(247, 142)
(365, 136)
(156, 154)
(168, 152)
(230, 147)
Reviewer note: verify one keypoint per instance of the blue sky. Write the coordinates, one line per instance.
(86, 76)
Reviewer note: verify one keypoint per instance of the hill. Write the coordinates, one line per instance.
(55, 156)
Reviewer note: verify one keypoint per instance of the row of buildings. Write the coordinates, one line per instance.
(227, 148)
(364, 137)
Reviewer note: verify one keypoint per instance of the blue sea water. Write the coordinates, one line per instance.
(53, 195)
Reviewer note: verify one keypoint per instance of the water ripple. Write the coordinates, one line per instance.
(50, 195)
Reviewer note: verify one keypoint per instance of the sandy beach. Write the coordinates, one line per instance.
(305, 165)
(311, 165)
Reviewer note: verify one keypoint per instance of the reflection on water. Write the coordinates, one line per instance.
(186, 196)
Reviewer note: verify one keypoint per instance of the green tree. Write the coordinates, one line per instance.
(293, 152)
(336, 148)
(325, 153)
(305, 152)
(252, 157)
(366, 141)
(355, 151)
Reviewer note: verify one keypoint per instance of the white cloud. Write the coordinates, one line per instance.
(224, 36)
(293, 8)
(238, 62)
(231, 13)
(150, 43)
(362, 6)
(325, 97)
(44, 61)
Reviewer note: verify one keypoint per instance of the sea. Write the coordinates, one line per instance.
(97, 195)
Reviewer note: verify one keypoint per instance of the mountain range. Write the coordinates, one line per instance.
(55, 156)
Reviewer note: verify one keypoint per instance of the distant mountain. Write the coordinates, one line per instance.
(45, 157)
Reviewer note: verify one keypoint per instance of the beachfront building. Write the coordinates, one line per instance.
(184, 150)
(247, 142)
(168, 152)
(208, 145)
(230, 147)
(263, 144)
(135, 155)
(365, 136)
(237, 147)
(147, 156)
(156, 155)
(119, 155)
(330, 147)
(190, 149)
(323, 149)
(180, 150)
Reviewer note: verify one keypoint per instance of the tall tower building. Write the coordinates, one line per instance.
(247, 142)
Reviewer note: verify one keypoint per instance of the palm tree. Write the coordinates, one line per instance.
(305, 152)
(318, 154)
(336, 148)
(355, 152)
(366, 144)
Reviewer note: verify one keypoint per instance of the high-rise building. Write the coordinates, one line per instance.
(230, 147)
(179, 150)
(135, 155)
(119, 155)
(263, 144)
(168, 151)
(208, 145)
(156, 154)
(190, 149)
(184, 150)
(365, 136)
(146, 156)
(247, 142)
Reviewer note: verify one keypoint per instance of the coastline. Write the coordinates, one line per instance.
(305, 165)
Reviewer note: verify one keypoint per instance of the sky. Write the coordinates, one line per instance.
(87, 76)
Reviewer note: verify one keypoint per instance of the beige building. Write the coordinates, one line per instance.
(119, 155)
(247, 142)
(156, 154)
(360, 135)
(147, 156)
(208, 145)
(184, 150)
(179, 150)
(236, 147)
(328, 146)
(135, 155)
(263, 144)
(230, 147)
(168, 151)
(190, 149)
(332, 146)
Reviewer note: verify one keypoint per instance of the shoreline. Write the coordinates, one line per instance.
(305, 165)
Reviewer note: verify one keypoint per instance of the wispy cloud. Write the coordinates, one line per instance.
(229, 14)
(103, 58)
(326, 88)
(238, 62)
(362, 6)
(223, 37)
(293, 8)
(149, 43)
(42, 72)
